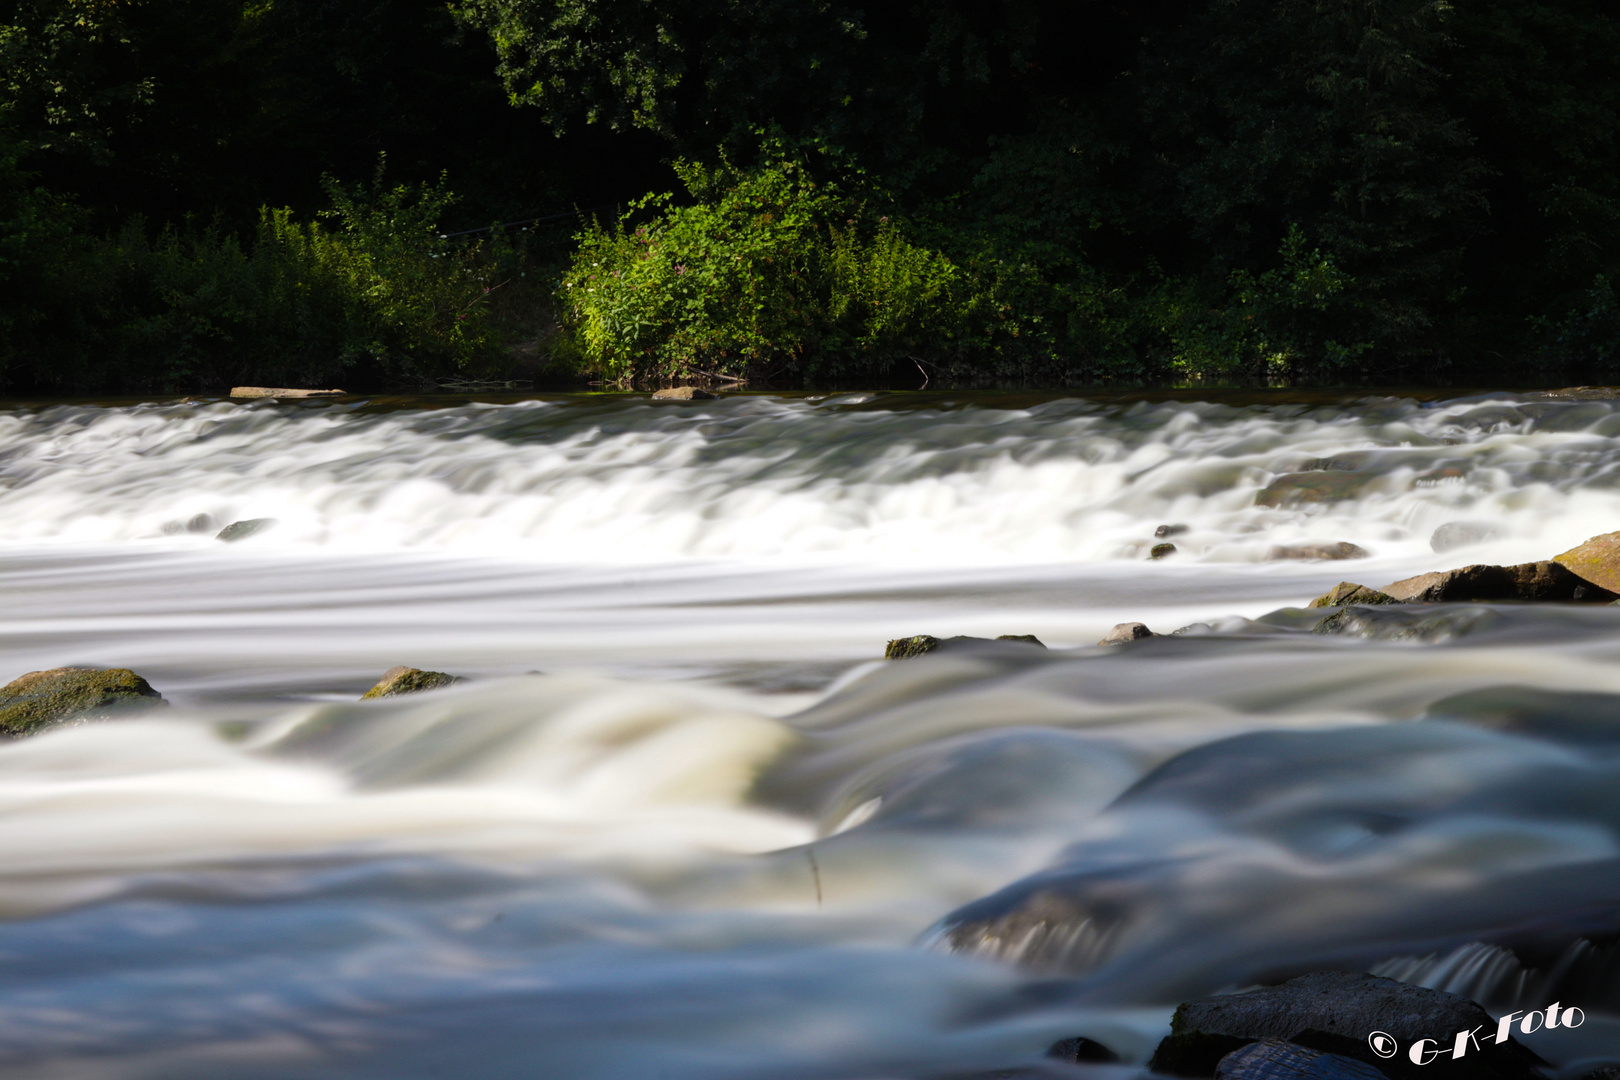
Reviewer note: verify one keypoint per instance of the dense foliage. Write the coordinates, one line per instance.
(1011, 191)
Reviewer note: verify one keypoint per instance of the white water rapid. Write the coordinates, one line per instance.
(681, 822)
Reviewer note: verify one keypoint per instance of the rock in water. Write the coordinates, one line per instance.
(280, 392)
(1538, 581)
(1597, 561)
(1341, 550)
(1126, 632)
(1456, 534)
(42, 698)
(1331, 485)
(1081, 1051)
(1348, 592)
(922, 644)
(1335, 1012)
(1402, 623)
(408, 680)
(1164, 532)
(683, 393)
(1162, 551)
(241, 530)
(1273, 1059)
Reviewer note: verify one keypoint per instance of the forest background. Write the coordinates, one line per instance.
(801, 193)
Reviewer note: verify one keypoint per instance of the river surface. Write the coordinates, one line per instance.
(681, 822)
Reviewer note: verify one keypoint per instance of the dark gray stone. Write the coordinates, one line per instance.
(1398, 623)
(1081, 1051)
(1273, 1059)
(241, 530)
(1165, 532)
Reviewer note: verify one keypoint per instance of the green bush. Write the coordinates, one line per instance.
(371, 292)
(767, 271)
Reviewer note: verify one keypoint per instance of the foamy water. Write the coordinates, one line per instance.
(681, 822)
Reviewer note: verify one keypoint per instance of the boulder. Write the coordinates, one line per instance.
(1348, 592)
(1340, 550)
(1538, 581)
(1330, 485)
(922, 644)
(1596, 561)
(241, 530)
(1336, 1012)
(1456, 534)
(42, 698)
(1274, 1059)
(408, 680)
(1081, 1051)
(1162, 551)
(1126, 632)
(683, 393)
(280, 392)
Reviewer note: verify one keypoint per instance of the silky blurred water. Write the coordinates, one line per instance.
(681, 821)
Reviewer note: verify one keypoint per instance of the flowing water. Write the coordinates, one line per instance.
(681, 822)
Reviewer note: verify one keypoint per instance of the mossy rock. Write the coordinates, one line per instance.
(408, 680)
(42, 698)
(1348, 592)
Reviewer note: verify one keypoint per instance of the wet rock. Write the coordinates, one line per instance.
(1161, 551)
(201, 523)
(1456, 534)
(1596, 561)
(1538, 581)
(1126, 632)
(1274, 1059)
(1313, 487)
(683, 393)
(1193, 630)
(1336, 1012)
(241, 530)
(42, 698)
(1081, 1051)
(1164, 532)
(280, 392)
(1348, 592)
(922, 644)
(1340, 550)
(1404, 624)
(408, 680)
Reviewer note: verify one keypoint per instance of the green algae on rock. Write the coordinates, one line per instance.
(408, 680)
(40, 699)
(922, 644)
(1597, 561)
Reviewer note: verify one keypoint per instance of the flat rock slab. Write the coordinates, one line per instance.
(408, 680)
(1537, 581)
(1308, 552)
(1597, 561)
(40, 699)
(683, 393)
(1335, 1012)
(281, 392)
(923, 644)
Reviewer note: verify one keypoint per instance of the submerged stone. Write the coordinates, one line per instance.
(241, 530)
(1399, 623)
(1274, 1059)
(1312, 487)
(1164, 532)
(1335, 1012)
(408, 680)
(1538, 581)
(42, 698)
(683, 393)
(1081, 1051)
(1456, 534)
(1341, 550)
(1348, 592)
(1162, 551)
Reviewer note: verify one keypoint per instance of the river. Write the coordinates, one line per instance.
(682, 822)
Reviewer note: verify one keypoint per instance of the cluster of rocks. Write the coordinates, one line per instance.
(1321, 1026)
(67, 695)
